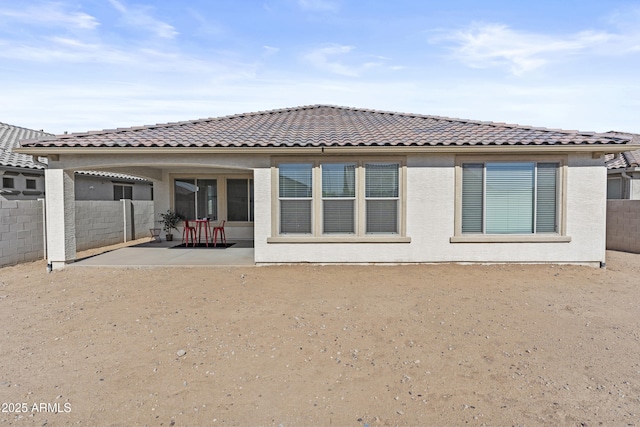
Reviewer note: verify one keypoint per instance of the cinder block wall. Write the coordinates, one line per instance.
(21, 231)
(98, 223)
(623, 225)
(143, 220)
(102, 223)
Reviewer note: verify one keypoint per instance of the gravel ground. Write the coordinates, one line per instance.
(322, 345)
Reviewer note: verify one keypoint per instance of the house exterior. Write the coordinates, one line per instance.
(23, 176)
(327, 184)
(623, 173)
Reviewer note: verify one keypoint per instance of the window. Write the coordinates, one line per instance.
(614, 188)
(382, 196)
(510, 198)
(295, 197)
(196, 198)
(31, 184)
(355, 200)
(122, 192)
(7, 182)
(240, 199)
(338, 197)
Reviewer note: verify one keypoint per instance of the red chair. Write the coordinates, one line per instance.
(219, 229)
(189, 230)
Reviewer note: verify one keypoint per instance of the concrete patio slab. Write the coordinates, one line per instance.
(163, 254)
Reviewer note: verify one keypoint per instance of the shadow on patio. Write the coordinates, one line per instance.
(166, 254)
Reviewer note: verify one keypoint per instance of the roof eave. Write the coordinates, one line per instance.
(584, 148)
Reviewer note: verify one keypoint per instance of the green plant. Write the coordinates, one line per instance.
(169, 221)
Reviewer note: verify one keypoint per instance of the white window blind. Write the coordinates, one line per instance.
(295, 196)
(472, 197)
(338, 197)
(547, 198)
(509, 198)
(382, 197)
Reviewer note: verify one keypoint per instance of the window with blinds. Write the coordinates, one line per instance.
(295, 197)
(335, 198)
(510, 198)
(382, 197)
(338, 197)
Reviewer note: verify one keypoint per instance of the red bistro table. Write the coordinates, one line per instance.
(199, 224)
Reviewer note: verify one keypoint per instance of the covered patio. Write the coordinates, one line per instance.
(165, 254)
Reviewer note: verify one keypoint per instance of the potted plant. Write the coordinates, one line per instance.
(169, 221)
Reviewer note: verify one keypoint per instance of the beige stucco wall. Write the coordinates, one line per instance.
(430, 211)
(430, 223)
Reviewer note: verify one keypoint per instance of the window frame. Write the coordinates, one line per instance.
(317, 234)
(123, 186)
(561, 202)
(277, 205)
(250, 187)
(8, 182)
(31, 182)
(620, 187)
(341, 198)
(221, 186)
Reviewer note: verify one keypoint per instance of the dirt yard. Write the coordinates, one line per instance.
(322, 345)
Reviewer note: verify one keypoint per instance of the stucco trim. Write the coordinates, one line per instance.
(340, 239)
(510, 238)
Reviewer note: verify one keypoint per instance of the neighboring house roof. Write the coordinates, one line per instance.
(626, 159)
(9, 137)
(326, 126)
(110, 175)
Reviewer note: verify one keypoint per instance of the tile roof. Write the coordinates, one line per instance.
(9, 137)
(110, 175)
(626, 159)
(326, 126)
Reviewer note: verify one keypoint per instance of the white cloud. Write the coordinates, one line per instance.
(491, 45)
(328, 58)
(319, 5)
(51, 14)
(270, 51)
(71, 54)
(140, 17)
(204, 25)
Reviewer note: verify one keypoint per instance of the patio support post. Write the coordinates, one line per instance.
(61, 217)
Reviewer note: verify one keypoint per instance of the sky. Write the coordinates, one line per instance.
(81, 65)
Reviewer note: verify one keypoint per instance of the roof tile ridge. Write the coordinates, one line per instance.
(25, 128)
(241, 115)
(634, 138)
